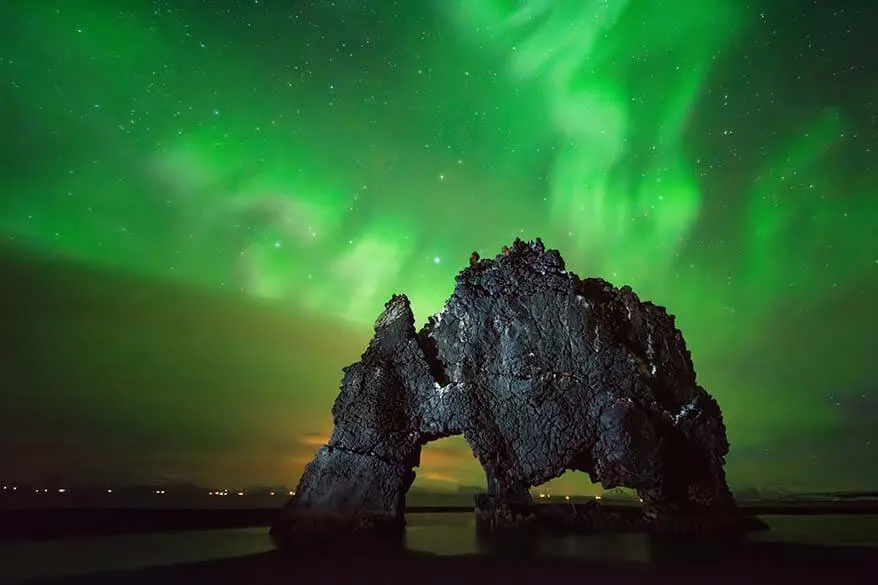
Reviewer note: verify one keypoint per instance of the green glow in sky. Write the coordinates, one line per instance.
(321, 159)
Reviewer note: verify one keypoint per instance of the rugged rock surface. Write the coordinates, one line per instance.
(541, 371)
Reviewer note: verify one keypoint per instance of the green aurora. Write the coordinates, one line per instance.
(284, 169)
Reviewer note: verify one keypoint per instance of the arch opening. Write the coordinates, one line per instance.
(447, 475)
(572, 485)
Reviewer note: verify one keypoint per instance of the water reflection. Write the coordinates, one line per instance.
(440, 534)
(454, 534)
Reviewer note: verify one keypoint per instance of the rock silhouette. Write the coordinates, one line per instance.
(541, 372)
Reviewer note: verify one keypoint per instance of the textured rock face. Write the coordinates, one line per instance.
(541, 372)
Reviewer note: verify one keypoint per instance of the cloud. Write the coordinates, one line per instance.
(142, 369)
(439, 477)
(314, 439)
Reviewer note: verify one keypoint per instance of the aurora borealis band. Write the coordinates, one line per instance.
(208, 203)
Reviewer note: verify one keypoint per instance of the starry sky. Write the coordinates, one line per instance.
(204, 206)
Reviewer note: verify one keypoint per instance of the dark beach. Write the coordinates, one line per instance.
(767, 563)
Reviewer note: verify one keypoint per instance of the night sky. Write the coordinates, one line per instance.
(204, 206)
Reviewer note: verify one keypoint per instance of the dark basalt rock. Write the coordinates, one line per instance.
(494, 513)
(541, 371)
(591, 517)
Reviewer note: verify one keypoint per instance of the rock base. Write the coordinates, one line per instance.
(493, 516)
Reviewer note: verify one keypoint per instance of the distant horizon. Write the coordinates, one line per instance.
(171, 487)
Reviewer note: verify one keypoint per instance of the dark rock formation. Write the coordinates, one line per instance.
(588, 516)
(541, 371)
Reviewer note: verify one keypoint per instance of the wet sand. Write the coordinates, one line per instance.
(750, 564)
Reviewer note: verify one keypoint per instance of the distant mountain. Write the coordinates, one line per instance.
(858, 495)
(747, 494)
(778, 494)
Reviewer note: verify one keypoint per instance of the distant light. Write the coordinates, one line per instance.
(4, 487)
(271, 494)
(641, 500)
(209, 493)
(598, 497)
(566, 497)
(436, 259)
(292, 493)
(14, 488)
(45, 491)
(109, 491)
(61, 490)
(542, 495)
(240, 493)
(36, 491)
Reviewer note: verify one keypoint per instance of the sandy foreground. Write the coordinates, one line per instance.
(750, 564)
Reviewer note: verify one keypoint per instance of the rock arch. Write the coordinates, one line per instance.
(540, 371)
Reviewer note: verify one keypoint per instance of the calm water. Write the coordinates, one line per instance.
(445, 534)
